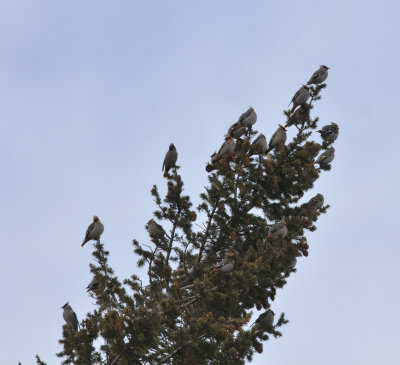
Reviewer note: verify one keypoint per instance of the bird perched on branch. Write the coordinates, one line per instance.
(236, 130)
(265, 320)
(70, 316)
(93, 285)
(278, 230)
(316, 202)
(227, 146)
(329, 132)
(170, 159)
(248, 118)
(226, 264)
(259, 146)
(94, 231)
(300, 97)
(326, 157)
(319, 76)
(277, 138)
(154, 228)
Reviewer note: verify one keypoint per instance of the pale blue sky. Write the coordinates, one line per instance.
(93, 92)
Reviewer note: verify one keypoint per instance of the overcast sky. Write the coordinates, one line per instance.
(91, 94)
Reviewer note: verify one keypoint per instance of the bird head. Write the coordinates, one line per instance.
(325, 67)
(66, 305)
(230, 255)
(282, 127)
(95, 218)
(306, 87)
(283, 221)
(227, 136)
(171, 146)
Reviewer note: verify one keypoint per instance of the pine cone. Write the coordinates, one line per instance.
(233, 236)
(221, 207)
(193, 216)
(275, 181)
(246, 161)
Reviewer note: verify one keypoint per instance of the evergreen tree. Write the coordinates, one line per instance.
(187, 312)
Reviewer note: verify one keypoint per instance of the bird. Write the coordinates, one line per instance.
(94, 231)
(170, 159)
(265, 320)
(259, 146)
(329, 132)
(227, 146)
(278, 137)
(278, 230)
(326, 157)
(248, 118)
(316, 202)
(70, 316)
(236, 130)
(93, 285)
(154, 228)
(226, 264)
(300, 97)
(319, 76)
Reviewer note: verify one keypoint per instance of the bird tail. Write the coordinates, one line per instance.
(83, 243)
(293, 108)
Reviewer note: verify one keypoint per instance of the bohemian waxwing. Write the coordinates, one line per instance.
(227, 146)
(278, 137)
(326, 157)
(226, 264)
(329, 132)
(94, 231)
(154, 228)
(259, 146)
(93, 285)
(316, 202)
(265, 320)
(248, 118)
(70, 316)
(300, 97)
(319, 76)
(236, 130)
(170, 159)
(278, 230)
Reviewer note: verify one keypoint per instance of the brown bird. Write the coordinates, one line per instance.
(94, 231)
(170, 159)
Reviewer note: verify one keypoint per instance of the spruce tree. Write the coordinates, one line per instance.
(185, 312)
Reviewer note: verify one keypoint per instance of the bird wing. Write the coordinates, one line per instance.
(246, 114)
(296, 95)
(89, 230)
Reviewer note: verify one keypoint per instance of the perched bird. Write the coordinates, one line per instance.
(278, 230)
(227, 146)
(248, 118)
(226, 264)
(236, 130)
(293, 263)
(170, 159)
(265, 320)
(93, 285)
(70, 316)
(329, 132)
(316, 202)
(259, 146)
(154, 228)
(94, 231)
(300, 97)
(326, 157)
(278, 137)
(319, 76)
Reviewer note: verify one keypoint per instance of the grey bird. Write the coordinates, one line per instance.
(70, 316)
(277, 138)
(300, 97)
(326, 157)
(226, 264)
(94, 231)
(170, 159)
(319, 76)
(278, 230)
(329, 132)
(259, 146)
(265, 320)
(248, 118)
(227, 146)
(237, 130)
(93, 285)
(154, 228)
(316, 202)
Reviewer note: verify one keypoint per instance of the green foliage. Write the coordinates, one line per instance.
(188, 314)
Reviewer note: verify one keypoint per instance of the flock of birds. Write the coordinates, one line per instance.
(329, 133)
